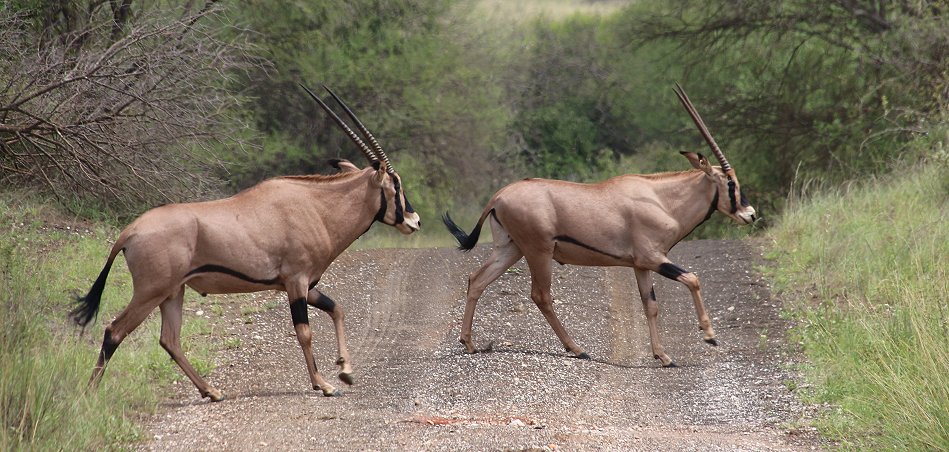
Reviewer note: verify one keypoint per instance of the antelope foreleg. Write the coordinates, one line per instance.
(651, 310)
(326, 304)
(687, 278)
(170, 340)
(301, 325)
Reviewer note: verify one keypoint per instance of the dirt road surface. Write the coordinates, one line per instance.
(416, 389)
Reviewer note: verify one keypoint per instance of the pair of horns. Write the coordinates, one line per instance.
(684, 98)
(376, 154)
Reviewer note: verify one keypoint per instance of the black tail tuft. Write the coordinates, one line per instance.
(88, 306)
(465, 241)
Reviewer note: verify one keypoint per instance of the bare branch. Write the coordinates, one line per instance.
(127, 117)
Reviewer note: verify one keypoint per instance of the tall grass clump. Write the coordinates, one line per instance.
(46, 362)
(865, 271)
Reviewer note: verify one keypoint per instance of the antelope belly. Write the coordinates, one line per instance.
(211, 279)
(571, 251)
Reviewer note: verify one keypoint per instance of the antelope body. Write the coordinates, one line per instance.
(630, 220)
(280, 234)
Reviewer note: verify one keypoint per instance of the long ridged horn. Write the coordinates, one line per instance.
(352, 135)
(684, 98)
(365, 131)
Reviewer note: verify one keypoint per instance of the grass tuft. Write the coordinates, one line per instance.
(44, 404)
(866, 268)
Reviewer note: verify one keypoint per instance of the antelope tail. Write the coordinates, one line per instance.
(88, 306)
(465, 241)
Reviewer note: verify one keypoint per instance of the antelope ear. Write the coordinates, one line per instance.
(380, 176)
(344, 166)
(698, 161)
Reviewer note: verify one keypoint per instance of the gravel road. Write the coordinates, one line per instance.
(415, 389)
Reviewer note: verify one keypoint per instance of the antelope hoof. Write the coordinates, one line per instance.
(583, 355)
(469, 346)
(711, 341)
(346, 377)
(331, 392)
(665, 360)
(214, 395)
(671, 365)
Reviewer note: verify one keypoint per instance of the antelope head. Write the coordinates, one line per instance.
(396, 209)
(731, 201)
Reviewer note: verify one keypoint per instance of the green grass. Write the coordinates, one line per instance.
(865, 271)
(44, 404)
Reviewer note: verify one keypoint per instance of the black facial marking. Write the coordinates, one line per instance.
(567, 239)
(408, 205)
(731, 195)
(211, 268)
(108, 346)
(399, 214)
(298, 312)
(744, 200)
(324, 303)
(672, 271)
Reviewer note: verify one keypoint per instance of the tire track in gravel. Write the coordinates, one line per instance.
(625, 329)
(417, 390)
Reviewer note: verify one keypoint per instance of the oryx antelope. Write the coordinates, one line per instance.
(631, 220)
(280, 234)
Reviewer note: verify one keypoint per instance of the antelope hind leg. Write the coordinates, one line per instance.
(170, 340)
(540, 295)
(504, 255)
(123, 325)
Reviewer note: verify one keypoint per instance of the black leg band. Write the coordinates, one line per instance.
(672, 271)
(324, 303)
(298, 312)
(108, 346)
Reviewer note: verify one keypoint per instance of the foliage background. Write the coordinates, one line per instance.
(469, 95)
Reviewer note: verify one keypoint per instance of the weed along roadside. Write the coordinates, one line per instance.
(43, 254)
(864, 272)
